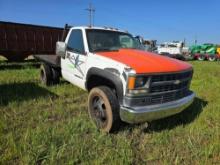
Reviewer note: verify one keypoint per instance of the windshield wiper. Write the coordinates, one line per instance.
(104, 49)
(129, 48)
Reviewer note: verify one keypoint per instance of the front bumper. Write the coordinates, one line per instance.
(142, 114)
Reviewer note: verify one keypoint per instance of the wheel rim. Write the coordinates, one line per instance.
(201, 58)
(42, 75)
(99, 111)
(211, 58)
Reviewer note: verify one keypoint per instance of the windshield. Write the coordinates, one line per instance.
(105, 40)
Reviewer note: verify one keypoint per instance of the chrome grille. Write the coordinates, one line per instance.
(170, 82)
(167, 97)
(164, 88)
(173, 76)
(157, 98)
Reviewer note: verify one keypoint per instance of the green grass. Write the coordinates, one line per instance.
(50, 125)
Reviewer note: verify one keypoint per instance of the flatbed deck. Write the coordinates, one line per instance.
(52, 60)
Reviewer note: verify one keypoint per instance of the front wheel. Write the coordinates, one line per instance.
(104, 108)
(201, 58)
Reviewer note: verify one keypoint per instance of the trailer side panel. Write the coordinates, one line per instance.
(18, 41)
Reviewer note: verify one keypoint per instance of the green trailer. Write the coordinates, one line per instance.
(204, 52)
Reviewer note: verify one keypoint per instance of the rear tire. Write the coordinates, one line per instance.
(46, 74)
(104, 109)
(212, 58)
(55, 76)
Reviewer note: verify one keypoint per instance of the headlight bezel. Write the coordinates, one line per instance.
(138, 85)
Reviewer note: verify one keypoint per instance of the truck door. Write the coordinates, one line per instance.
(74, 64)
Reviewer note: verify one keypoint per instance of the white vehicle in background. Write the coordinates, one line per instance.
(175, 49)
(170, 47)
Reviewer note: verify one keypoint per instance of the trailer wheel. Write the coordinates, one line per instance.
(46, 74)
(104, 109)
(55, 75)
(201, 57)
(212, 58)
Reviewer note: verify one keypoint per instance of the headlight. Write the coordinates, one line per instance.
(140, 82)
(138, 85)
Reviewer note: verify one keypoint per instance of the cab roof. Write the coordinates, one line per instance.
(99, 28)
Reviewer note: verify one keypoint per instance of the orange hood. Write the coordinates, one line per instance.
(146, 62)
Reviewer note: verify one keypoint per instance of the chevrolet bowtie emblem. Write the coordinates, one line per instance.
(177, 82)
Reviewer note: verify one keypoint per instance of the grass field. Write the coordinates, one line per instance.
(50, 125)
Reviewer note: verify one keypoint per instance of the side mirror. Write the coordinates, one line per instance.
(61, 49)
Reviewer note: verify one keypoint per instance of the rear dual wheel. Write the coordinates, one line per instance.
(49, 75)
(104, 109)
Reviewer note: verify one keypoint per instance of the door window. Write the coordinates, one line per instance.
(75, 43)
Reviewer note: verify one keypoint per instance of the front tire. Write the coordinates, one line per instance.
(201, 57)
(104, 109)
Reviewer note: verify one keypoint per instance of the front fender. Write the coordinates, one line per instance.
(111, 75)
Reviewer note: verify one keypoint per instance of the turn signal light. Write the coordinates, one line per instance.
(131, 83)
